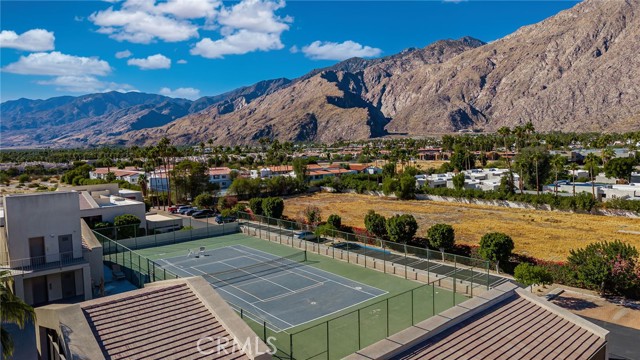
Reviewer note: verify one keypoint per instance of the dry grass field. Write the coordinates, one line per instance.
(542, 234)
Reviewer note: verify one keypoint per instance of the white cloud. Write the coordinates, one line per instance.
(123, 54)
(58, 64)
(144, 21)
(84, 84)
(241, 42)
(153, 62)
(248, 26)
(187, 93)
(32, 40)
(294, 49)
(326, 50)
(256, 16)
(181, 61)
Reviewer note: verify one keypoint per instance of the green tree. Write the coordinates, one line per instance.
(496, 247)
(126, 225)
(442, 237)
(24, 178)
(227, 202)
(401, 228)
(273, 207)
(406, 187)
(389, 169)
(255, 204)
(335, 221)
(376, 224)
(534, 166)
(13, 310)
(620, 168)
(558, 162)
(528, 275)
(458, 181)
(300, 169)
(245, 188)
(608, 267)
(591, 164)
(204, 200)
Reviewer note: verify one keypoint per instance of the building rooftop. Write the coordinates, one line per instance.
(504, 323)
(164, 320)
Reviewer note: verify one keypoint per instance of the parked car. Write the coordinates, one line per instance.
(224, 219)
(203, 214)
(191, 211)
(184, 209)
(174, 208)
(305, 235)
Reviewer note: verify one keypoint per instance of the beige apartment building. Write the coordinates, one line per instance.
(50, 251)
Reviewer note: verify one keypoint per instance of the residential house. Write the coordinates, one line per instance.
(220, 176)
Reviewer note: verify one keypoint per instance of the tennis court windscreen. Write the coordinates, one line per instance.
(259, 269)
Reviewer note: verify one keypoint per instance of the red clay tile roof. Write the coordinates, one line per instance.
(281, 168)
(219, 171)
(159, 323)
(514, 329)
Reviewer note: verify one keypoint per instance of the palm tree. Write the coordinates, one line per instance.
(558, 163)
(12, 310)
(591, 163)
(607, 154)
(142, 182)
(573, 167)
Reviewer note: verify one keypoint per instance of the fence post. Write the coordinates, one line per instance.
(413, 322)
(359, 342)
(328, 353)
(433, 299)
(264, 324)
(455, 271)
(487, 263)
(291, 346)
(388, 325)
(405, 260)
(472, 273)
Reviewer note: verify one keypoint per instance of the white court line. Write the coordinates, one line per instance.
(257, 276)
(220, 261)
(317, 284)
(327, 279)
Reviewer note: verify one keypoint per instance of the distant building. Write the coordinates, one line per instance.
(130, 174)
(103, 202)
(482, 179)
(220, 176)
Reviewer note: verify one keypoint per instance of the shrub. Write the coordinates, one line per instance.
(24, 178)
(496, 247)
(441, 236)
(312, 215)
(528, 275)
(458, 181)
(401, 228)
(204, 200)
(227, 202)
(273, 207)
(335, 221)
(255, 205)
(127, 225)
(375, 224)
(608, 267)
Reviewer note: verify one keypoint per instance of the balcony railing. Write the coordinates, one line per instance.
(49, 261)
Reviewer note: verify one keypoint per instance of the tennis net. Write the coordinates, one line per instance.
(259, 269)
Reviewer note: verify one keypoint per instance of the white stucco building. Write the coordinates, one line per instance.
(50, 252)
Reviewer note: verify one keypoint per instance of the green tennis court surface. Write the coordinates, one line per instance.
(313, 331)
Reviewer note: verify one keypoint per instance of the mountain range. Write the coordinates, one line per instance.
(576, 71)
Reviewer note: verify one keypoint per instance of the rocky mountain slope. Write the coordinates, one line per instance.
(102, 118)
(576, 71)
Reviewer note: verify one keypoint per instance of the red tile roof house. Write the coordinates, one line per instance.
(504, 323)
(173, 319)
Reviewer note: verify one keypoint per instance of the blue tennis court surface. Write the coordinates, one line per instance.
(284, 291)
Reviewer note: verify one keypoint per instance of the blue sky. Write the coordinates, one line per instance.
(192, 48)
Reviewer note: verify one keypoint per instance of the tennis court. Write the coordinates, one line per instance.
(284, 291)
(328, 307)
